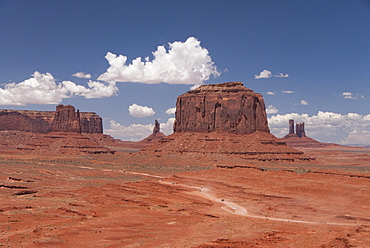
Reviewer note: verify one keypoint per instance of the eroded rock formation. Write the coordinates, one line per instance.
(65, 119)
(291, 126)
(157, 127)
(156, 136)
(299, 138)
(223, 120)
(299, 128)
(228, 107)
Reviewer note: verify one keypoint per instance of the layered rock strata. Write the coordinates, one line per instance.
(228, 107)
(64, 119)
(223, 120)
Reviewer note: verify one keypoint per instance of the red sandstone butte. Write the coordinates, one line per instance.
(229, 107)
(225, 119)
(66, 119)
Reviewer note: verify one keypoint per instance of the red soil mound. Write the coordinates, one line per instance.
(293, 140)
(257, 146)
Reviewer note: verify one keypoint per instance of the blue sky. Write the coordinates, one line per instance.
(315, 55)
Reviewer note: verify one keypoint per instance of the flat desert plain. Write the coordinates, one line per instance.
(131, 200)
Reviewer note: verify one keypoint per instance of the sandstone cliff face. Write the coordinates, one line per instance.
(299, 128)
(291, 126)
(228, 107)
(91, 122)
(29, 121)
(65, 119)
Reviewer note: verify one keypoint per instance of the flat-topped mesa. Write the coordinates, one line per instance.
(228, 107)
(64, 119)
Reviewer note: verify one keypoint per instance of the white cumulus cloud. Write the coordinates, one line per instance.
(167, 128)
(270, 93)
(140, 111)
(263, 74)
(325, 126)
(268, 74)
(42, 88)
(171, 111)
(136, 132)
(303, 102)
(271, 110)
(81, 75)
(183, 63)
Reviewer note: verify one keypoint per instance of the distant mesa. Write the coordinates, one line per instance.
(298, 138)
(64, 119)
(227, 119)
(63, 131)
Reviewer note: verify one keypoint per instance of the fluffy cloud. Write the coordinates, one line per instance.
(42, 89)
(326, 126)
(81, 75)
(167, 128)
(171, 111)
(271, 110)
(140, 111)
(270, 93)
(357, 137)
(136, 132)
(263, 74)
(303, 102)
(183, 63)
(288, 92)
(268, 74)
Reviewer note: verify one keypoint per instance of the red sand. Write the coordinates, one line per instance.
(121, 200)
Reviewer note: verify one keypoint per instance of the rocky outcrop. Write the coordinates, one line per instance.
(64, 119)
(299, 138)
(228, 107)
(91, 122)
(227, 121)
(29, 121)
(156, 136)
(299, 128)
(291, 126)
(157, 127)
